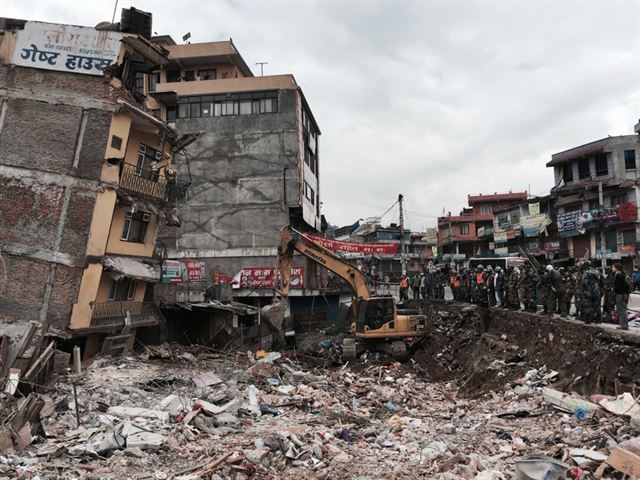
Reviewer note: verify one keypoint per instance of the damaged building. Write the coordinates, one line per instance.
(86, 178)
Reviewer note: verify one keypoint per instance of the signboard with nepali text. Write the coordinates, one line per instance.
(183, 271)
(354, 247)
(66, 48)
(265, 277)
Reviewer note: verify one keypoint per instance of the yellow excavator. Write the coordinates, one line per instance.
(377, 323)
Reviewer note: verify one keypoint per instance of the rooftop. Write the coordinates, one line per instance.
(205, 52)
(497, 197)
(590, 148)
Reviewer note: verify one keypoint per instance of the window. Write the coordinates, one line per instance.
(628, 237)
(515, 218)
(618, 200)
(189, 75)
(147, 158)
(116, 142)
(135, 227)
(309, 193)
(503, 220)
(629, 159)
(123, 289)
(485, 210)
(154, 80)
(228, 104)
(138, 82)
(583, 168)
(171, 114)
(208, 74)
(567, 172)
(464, 229)
(602, 167)
(173, 75)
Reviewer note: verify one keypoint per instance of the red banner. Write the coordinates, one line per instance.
(354, 247)
(260, 277)
(627, 212)
(626, 248)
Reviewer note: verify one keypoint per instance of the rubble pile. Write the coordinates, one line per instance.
(188, 414)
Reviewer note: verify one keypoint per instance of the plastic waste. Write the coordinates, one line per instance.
(539, 467)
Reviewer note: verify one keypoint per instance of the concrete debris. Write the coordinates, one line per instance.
(267, 416)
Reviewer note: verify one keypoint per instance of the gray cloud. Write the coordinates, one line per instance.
(432, 99)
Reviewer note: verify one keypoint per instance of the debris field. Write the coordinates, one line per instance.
(170, 412)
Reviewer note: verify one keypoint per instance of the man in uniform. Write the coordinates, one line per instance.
(545, 293)
(609, 303)
(569, 280)
(491, 286)
(589, 294)
(499, 282)
(514, 282)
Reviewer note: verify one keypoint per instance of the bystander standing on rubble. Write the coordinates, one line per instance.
(499, 286)
(415, 286)
(454, 282)
(621, 291)
(404, 288)
(590, 294)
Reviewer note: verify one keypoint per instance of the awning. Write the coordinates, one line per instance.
(233, 307)
(121, 267)
(168, 98)
(132, 199)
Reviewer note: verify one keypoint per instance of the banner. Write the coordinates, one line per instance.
(500, 237)
(354, 247)
(66, 48)
(432, 236)
(182, 271)
(552, 246)
(261, 277)
(627, 249)
(534, 209)
(569, 221)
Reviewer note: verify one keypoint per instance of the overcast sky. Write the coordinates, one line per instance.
(432, 99)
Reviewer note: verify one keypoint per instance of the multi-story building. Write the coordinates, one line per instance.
(255, 166)
(470, 234)
(596, 193)
(86, 176)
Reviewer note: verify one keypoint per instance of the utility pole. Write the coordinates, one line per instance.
(403, 260)
(603, 241)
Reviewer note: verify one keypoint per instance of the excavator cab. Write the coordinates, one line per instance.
(374, 313)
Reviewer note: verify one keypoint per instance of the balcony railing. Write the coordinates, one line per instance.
(112, 314)
(144, 182)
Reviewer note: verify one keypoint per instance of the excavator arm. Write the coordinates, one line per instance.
(322, 256)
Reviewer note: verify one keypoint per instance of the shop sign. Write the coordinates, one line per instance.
(502, 251)
(183, 271)
(265, 277)
(627, 249)
(354, 247)
(552, 246)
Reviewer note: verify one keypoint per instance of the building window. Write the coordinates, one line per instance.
(464, 229)
(154, 80)
(135, 227)
(515, 218)
(208, 74)
(229, 104)
(148, 159)
(309, 193)
(173, 75)
(567, 172)
(171, 114)
(138, 83)
(583, 168)
(629, 159)
(116, 142)
(618, 199)
(602, 168)
(189, 75)
(485, 210)
(503, 220)
(123, 289)
(629, 237)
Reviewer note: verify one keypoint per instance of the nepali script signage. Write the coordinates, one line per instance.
(261, 277)
(183, 271)
(354, 247)
(66, 48)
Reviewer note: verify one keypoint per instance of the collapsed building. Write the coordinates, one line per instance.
(86, 178)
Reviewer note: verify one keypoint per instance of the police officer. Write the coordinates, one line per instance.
(609, 303)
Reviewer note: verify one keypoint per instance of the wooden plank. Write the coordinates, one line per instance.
(622, 460)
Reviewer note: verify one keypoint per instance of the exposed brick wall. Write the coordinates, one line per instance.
(66, 285)
(78, 221)
(94, 144)
(29, 212)
(21, 298)
(39, 135)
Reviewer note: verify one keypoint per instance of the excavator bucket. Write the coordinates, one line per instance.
(273, 314)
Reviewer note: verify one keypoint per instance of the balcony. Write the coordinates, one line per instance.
(145, 182)
(111, 315)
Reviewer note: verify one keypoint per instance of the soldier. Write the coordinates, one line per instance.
(569, 280)
(507, 280)
(514, 281)
(589, 294)
(577, 281)
(491, 286)
(529, 290)
(440, 282)
(609, 303)
(545, 293)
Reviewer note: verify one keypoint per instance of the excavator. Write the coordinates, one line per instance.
(377, 323)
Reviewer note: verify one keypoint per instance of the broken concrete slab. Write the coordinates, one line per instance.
(131, 412)
(206, 380)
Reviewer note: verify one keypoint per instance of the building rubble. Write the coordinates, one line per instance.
(190, 412)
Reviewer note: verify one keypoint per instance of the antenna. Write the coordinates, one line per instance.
(262, 64)
(115, 7)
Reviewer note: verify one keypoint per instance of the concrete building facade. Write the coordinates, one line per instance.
(254, 167)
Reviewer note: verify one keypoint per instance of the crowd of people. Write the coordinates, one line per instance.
(596, 297)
